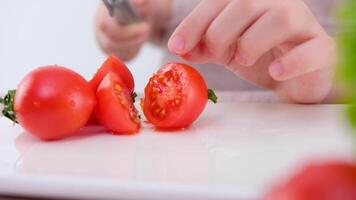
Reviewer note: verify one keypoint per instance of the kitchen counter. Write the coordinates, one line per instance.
(236, 150)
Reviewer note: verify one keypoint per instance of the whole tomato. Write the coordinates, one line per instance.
(319, 181)
(53, 102)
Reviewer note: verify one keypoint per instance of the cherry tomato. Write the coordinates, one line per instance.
(115, 65)
(174, 97)
(53, 102)
(321, 181)
(115, 109)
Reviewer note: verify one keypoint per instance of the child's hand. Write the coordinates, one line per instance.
(124, 41)
(276, 44)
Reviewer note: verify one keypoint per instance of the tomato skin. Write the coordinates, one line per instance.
(194, 99)
(115, 65)
(53, 102)
(115, 109)
(321, 181)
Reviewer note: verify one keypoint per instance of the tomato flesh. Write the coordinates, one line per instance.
(174, 97)
(115, 65)
(53, 102)
(115, 109)
(322, 181)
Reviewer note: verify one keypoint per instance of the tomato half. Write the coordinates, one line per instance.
(53, 102)
(115, 109)
(174, 97)
(321, 181)
(115, 65)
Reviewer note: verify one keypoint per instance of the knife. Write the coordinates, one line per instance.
(122, 11)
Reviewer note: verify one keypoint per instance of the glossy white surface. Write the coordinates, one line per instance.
(234, 151)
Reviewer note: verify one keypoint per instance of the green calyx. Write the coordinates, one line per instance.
(8, 102)
(134, 96)
(212, 96)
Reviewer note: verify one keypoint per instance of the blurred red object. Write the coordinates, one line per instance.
(319, 181)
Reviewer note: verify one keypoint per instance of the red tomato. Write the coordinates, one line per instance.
(174, 97)
(115, 65)
(115, 109)
(323, 181)
(53, 102)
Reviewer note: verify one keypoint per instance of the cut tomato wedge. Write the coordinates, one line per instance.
(115, 65)
(174, 97)
(115, 109)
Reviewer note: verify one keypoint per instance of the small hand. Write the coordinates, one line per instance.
(113, 38)
(273, 44)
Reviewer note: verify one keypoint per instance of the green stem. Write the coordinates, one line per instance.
(212, 96)
(8, 102)
(133, 96)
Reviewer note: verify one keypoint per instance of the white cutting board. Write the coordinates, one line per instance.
(234, 151)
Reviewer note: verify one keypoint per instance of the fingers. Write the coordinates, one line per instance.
(107, 25)
(200, 55)
(225, 30)
(121, 48)
(138, 2)
(279, 25)
(122, 33)
(121, 42)
(117, 39)
(110, 45)
(313, 55)
(189, 33)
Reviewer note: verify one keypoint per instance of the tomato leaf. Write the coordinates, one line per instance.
(133, 96)
(212, 96)
(8, 102)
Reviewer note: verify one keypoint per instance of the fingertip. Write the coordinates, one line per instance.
(176, 44)
(276, 71)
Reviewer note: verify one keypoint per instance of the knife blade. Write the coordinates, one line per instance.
(122, 11)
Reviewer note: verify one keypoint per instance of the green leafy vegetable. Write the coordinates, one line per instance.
(347, 45)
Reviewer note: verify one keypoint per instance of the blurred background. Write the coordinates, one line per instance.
(42, 32)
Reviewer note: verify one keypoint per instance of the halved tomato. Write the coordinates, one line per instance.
(115, 65)
(174, 97)
(115, 109)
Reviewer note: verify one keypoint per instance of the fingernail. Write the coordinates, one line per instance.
(276, 70)
(177, 44)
